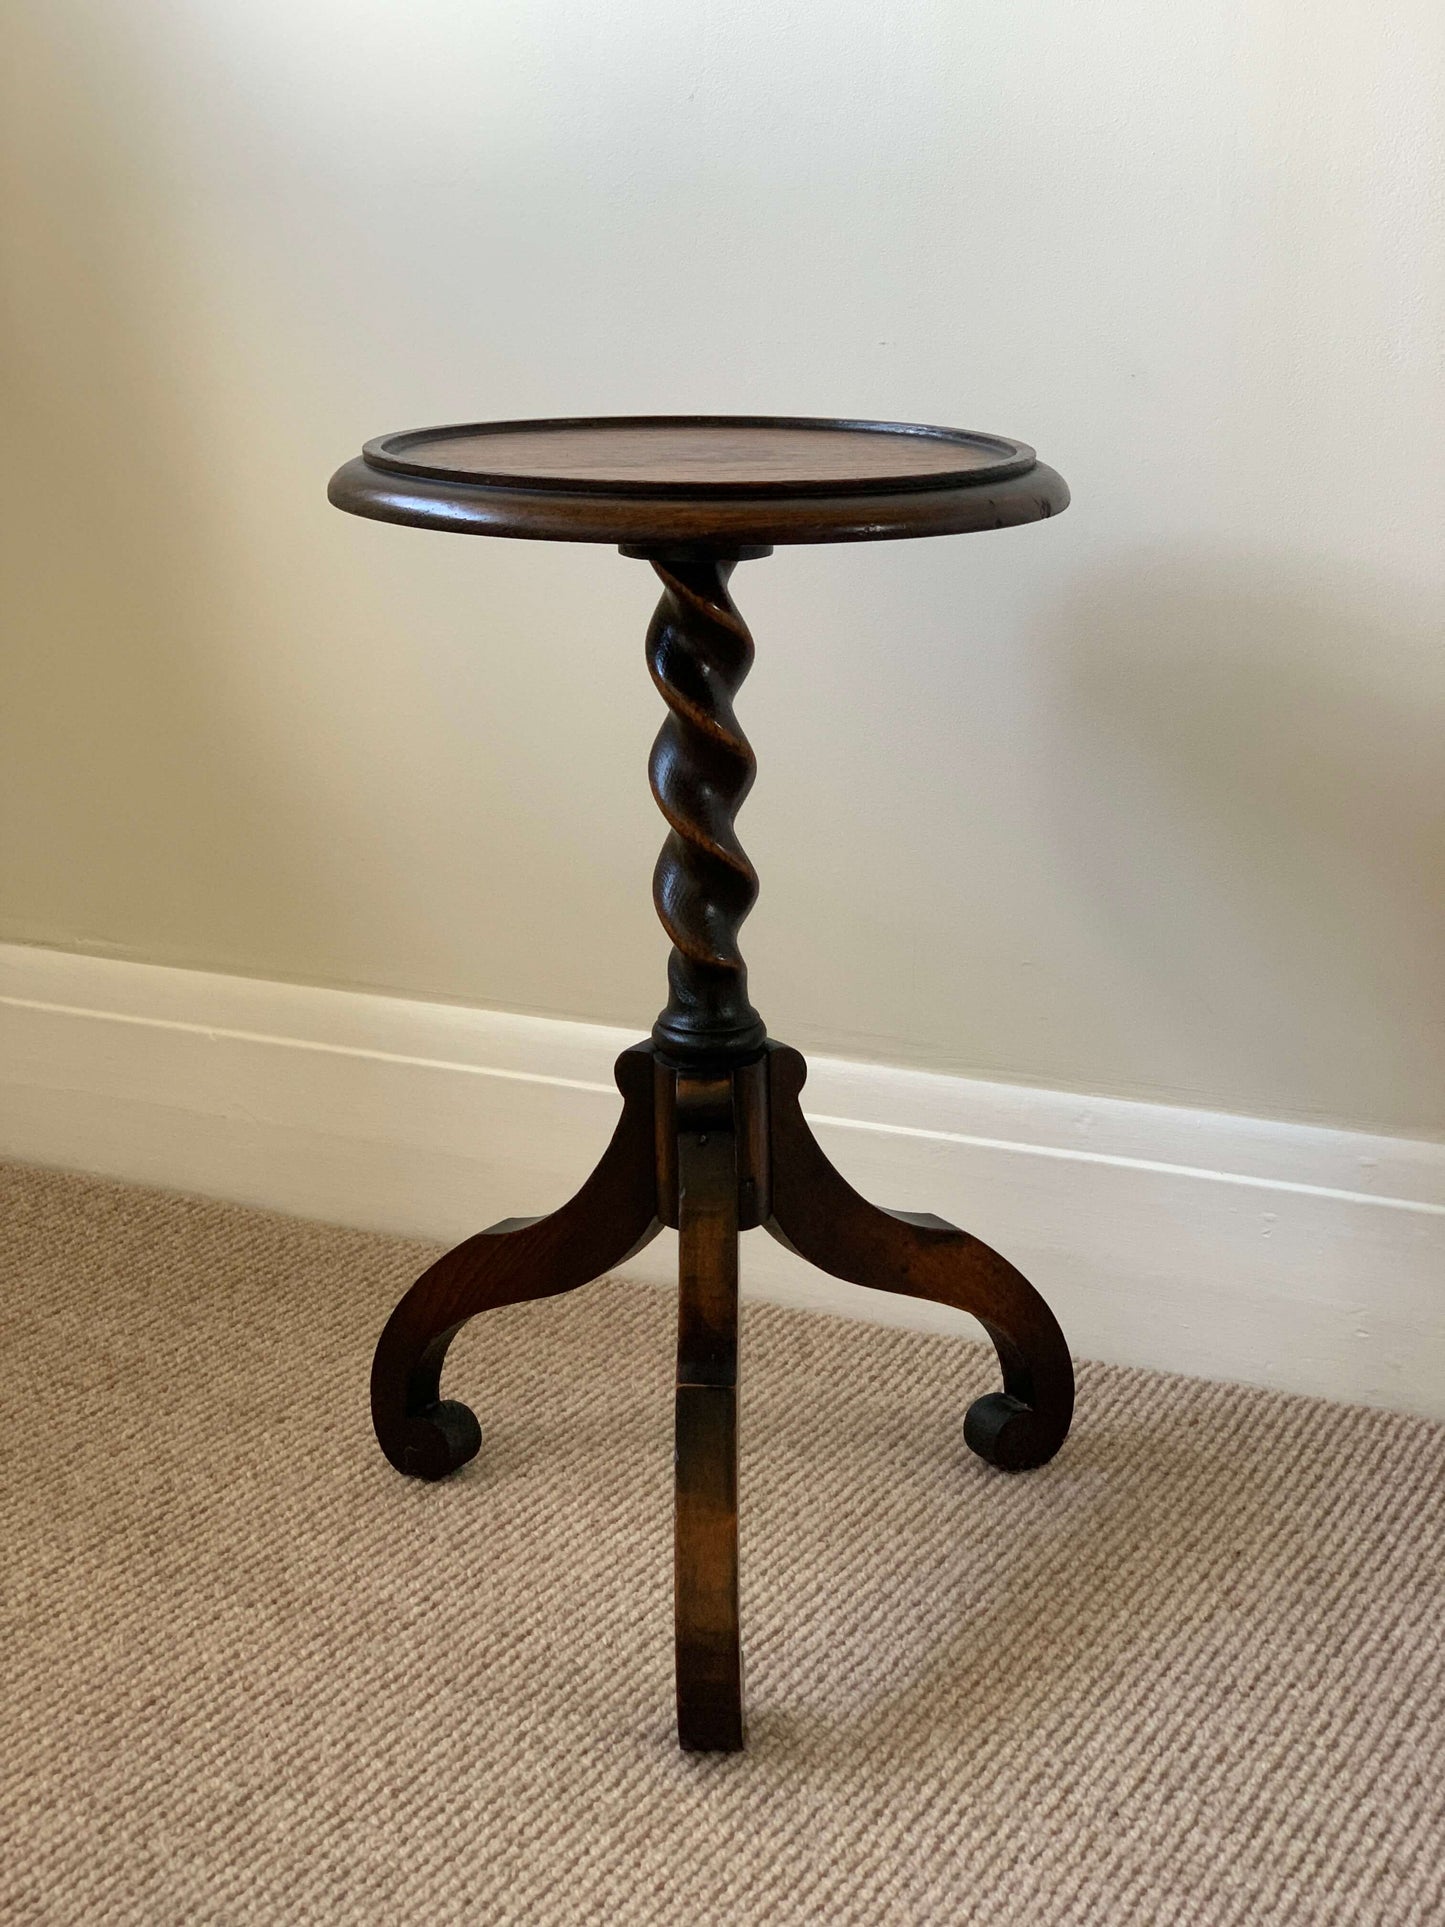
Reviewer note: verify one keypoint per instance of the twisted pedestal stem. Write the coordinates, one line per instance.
(702, 767)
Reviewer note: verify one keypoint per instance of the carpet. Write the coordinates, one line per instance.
(1191, 1672)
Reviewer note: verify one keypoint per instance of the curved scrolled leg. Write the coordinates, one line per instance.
(612, 1216)
(818, 1214)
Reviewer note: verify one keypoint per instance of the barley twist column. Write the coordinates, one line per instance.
(702, 767)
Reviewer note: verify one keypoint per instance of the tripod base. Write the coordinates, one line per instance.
(714, 1153)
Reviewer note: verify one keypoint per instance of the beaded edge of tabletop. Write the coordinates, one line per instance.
(705, 522)
(725, 456)
(709, 513)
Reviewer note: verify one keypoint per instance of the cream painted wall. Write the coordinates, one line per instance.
(1149, 800)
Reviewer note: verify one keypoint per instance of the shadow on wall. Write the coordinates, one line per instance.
(1249, 792)
(152, 798)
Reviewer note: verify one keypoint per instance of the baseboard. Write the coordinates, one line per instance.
(1281, 1254)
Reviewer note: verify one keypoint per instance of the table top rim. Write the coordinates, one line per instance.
(386, 454)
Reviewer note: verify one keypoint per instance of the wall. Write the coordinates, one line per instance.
(1144, 801)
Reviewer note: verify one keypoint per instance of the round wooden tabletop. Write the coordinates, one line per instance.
(715, 481)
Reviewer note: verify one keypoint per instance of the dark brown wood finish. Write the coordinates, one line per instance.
(702, 767)
(705, 1525)
(710, 481)
(609, 1220)
(712, 1137)
(818, 1214)
(702, 457)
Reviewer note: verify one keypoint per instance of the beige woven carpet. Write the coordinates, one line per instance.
(1191, 1672)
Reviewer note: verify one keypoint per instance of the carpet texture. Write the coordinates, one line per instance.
(1190, 1672)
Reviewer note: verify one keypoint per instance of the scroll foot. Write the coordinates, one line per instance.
(1005, 1432)
(818, 1214)
(611, 1217)
(436, 1440)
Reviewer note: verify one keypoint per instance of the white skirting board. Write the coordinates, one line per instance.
(1282, 1254)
